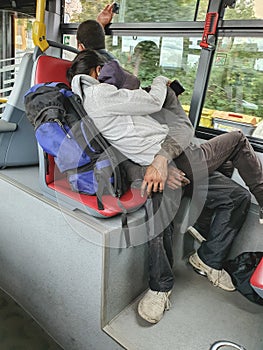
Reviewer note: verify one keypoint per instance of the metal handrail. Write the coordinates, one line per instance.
(217, 345)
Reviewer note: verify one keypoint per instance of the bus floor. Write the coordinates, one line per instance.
(18, 330)
(200, 315)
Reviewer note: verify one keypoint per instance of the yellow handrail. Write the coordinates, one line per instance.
(39, 27)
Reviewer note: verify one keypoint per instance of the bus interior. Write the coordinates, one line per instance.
(66, 263)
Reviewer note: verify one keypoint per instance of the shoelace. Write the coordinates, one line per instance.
(217, 280)
(164, 299)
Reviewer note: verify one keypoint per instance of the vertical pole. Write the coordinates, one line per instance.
(215, 13)
(39, 27)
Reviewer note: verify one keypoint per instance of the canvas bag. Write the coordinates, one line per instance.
(241, 269)
(64, 130)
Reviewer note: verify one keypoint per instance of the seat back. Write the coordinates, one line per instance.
(18, 144)
(256, 280)
(54, 184)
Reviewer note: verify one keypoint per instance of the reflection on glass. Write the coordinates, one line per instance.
(76, 11)
(235, 92)
(245, 10)
(147, 57)
(136, 10)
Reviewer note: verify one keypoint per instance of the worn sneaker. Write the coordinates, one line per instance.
(152, 306)
(195, 234)
(219, 278)
(261, 215)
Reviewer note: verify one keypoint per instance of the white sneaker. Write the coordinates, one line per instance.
(219, 278)
(195, 234)
(152, 306)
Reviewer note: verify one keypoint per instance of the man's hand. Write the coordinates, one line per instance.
(176, 178)
(155, 176)
(105, 16)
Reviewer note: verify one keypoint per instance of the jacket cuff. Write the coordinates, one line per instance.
(107, 29)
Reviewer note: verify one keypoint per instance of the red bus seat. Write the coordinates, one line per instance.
(54, 184)
(256, 280)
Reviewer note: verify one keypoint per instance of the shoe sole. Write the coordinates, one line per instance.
(203, 273)
(195, 234)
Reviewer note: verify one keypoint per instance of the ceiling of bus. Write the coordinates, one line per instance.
(25, 6)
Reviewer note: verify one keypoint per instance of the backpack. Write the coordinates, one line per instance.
(66, 132)
(241, 269)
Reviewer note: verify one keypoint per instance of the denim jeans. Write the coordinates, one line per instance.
(160, 209)
(230, 203)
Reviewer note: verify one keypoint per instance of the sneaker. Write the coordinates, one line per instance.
(152, 306)
(261, 215)
(219, 278)
(195, 234)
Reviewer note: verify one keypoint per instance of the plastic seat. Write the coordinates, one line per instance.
(256, 280)
(54, 184)
(18, 144)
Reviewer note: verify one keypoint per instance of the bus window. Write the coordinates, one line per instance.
(159, 11)
(249, 9)
(234, 95)
(149, 56)
(18, 26)
(136, 11)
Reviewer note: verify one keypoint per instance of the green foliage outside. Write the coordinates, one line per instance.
(235, 85)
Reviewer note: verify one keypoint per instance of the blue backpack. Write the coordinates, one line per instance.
(65, 131)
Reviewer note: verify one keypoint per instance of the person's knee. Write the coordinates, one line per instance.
(239, 135)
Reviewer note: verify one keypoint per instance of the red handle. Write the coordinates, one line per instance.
(210, 27)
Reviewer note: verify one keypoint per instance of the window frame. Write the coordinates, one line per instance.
(244, 28)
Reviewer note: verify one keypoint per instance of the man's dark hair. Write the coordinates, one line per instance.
(91, 34)
(84, 62)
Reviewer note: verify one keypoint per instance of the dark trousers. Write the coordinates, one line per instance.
(229, 202)
(161, 209)
(211, 155)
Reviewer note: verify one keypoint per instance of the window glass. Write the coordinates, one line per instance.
(234, 99)
(159, 11)
(147, 57)
(137, 11)
(248, 9)
(15, 41)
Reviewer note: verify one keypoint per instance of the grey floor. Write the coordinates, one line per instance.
(18, 331)
(200, 315)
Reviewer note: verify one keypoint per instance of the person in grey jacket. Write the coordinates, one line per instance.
(105, 104)
(114, 110)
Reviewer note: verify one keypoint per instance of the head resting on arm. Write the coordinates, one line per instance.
(86, 62)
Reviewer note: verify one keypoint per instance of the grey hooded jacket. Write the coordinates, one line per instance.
(122, 115)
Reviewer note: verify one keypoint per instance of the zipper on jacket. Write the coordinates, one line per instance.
(62, 127)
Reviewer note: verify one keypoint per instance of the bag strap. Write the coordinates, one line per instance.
(76, 103)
